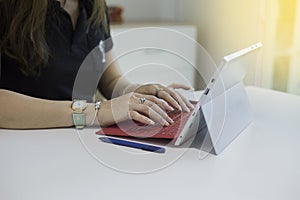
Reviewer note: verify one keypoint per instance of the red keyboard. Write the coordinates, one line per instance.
(136, 129)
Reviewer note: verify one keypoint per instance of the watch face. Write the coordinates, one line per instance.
(79, 104)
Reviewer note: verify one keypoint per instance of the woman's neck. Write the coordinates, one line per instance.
(71, 7)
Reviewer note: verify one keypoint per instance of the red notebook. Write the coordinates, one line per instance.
(135, 129)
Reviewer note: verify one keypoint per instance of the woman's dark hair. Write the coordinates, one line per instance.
(22, 29)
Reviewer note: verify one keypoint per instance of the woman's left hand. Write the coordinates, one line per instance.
(169, 94)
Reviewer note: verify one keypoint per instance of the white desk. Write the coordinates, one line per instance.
(263, 163)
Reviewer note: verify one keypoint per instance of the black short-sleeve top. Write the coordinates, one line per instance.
(68, 49)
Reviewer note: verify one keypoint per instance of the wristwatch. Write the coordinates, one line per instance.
(78, 106)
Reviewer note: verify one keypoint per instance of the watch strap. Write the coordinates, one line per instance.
(79, 120)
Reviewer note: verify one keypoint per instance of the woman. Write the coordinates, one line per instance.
(43, 43)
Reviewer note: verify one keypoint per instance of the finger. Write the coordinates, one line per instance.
(157, 105)
(146, 110)
(140, 118)
(186, 101)
(147, 89)
(159, 110)
(168, 98)
(178, 99)
(179, 86)
(160, 102)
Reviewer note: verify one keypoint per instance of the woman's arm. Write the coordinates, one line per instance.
(111, 83)
(23, 112)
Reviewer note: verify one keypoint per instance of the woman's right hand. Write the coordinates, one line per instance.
(131, 106)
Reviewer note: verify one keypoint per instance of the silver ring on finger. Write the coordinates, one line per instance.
(159, 89)
(142, 100)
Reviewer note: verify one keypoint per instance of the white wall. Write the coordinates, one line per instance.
(223, 26)
(146, 10)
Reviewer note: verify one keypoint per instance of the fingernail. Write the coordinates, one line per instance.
(178, 107)
(167, 124)
(187, 109)
(152, 122)
(170, 108)
(171, 120)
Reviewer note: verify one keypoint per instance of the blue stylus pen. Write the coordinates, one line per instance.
(135, 145)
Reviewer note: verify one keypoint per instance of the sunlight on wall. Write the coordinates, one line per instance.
(224, 26)
(286, 52)
(229, 25)
(294, 80)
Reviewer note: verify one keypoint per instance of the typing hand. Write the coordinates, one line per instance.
(146, 109)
